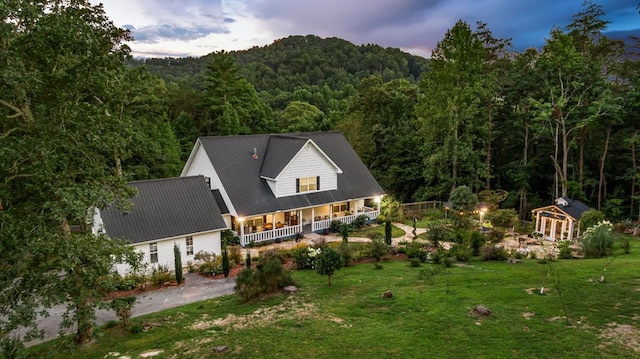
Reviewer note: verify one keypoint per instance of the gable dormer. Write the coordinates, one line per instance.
(296, 165)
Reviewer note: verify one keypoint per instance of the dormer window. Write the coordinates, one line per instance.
(307, 184)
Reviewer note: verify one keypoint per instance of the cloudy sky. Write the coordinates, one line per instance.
(180, 28)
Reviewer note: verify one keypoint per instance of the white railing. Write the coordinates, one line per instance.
(270, 234)
(326, 223)
(288, 231)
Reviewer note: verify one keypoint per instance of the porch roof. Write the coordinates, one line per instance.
(240, 173)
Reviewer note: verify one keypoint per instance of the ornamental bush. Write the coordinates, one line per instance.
(597, 240)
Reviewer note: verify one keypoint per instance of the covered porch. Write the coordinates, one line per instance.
(285, 224)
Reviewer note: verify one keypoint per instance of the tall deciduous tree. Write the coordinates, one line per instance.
(451, 126)
(62, 141)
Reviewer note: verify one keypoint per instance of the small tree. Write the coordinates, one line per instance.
(438, 232)
(328, 261)
(177, 259)
(225, 263)
(248, 260)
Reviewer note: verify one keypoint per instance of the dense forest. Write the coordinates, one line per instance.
(539, 124)
(80, 119)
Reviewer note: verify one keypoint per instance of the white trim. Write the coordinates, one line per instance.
(182, 236)
(309, 141)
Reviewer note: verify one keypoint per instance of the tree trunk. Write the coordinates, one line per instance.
(84, 318)
(602, 162)
(488, 164)
(565, 160)
(581, 160)
(635, 171)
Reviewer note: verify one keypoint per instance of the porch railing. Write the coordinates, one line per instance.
(289, 231)
(270, 234)
(326, 223)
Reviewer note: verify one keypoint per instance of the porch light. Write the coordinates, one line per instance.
(378, 199)
(241, 219)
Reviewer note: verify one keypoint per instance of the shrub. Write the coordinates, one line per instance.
(235, 255)
(491, 252)
(415, 262)
(208, 263)
(346, 251)
(433, 215)
(360, 221)
(229, 238)
(161, 275)
(504, 217)
(123, 307)
(597, 240)
(532, 255)
(416, 250)
(381, 219)
(377, 249)
(564, 252)
(328, 261)
(248, 260)
(136, 329)
(336, 226)
(344, 232)
(304, 257)
(441, 256)
(267, 278)
(462, 251)
(477, 241)
(495, 236)
(625, 244)
(590, 218)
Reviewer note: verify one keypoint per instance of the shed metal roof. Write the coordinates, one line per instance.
(165, 208)
(232, 157)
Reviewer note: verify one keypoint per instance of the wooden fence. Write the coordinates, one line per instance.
(418, 208)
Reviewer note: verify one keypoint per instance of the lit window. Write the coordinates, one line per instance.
(153, 252)
(339, 207)
(306, 184)
(189, 246)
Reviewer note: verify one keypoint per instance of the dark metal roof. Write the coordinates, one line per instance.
(574, 208)
(239, 172)
(280, 151)
(220, 201)
(165, 208)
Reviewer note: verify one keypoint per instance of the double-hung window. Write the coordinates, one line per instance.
(153, 253)
(306, 184)
(189, 246)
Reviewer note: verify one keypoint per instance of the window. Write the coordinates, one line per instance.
(306, 184)
(340, 207)
(189, 246)
(153, 252)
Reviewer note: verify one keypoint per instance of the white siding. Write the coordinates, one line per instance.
(208, 242)
(201, 165)
(308, 163)
(272, 185)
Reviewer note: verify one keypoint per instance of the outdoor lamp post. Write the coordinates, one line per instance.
(483, 210)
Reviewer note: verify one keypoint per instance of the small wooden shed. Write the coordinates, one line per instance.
(561, 220)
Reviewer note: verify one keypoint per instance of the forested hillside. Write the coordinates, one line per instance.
(539, 124)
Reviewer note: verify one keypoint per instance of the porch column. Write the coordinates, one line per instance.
(300, 220)
(564, 229)
(552, 232)
(241, 220)
(538, 222)
(331, 211)
(273, 223)
(543, 227)
(313, 217)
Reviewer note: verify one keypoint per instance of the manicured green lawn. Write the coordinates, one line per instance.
(427, 317)
(420, 223)
(365, 232)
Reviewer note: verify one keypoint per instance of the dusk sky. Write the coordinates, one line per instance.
(180, 28)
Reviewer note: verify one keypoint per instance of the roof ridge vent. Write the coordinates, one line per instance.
(255, 154)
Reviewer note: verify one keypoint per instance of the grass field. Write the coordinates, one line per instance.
(365, 232)
(429, 316)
